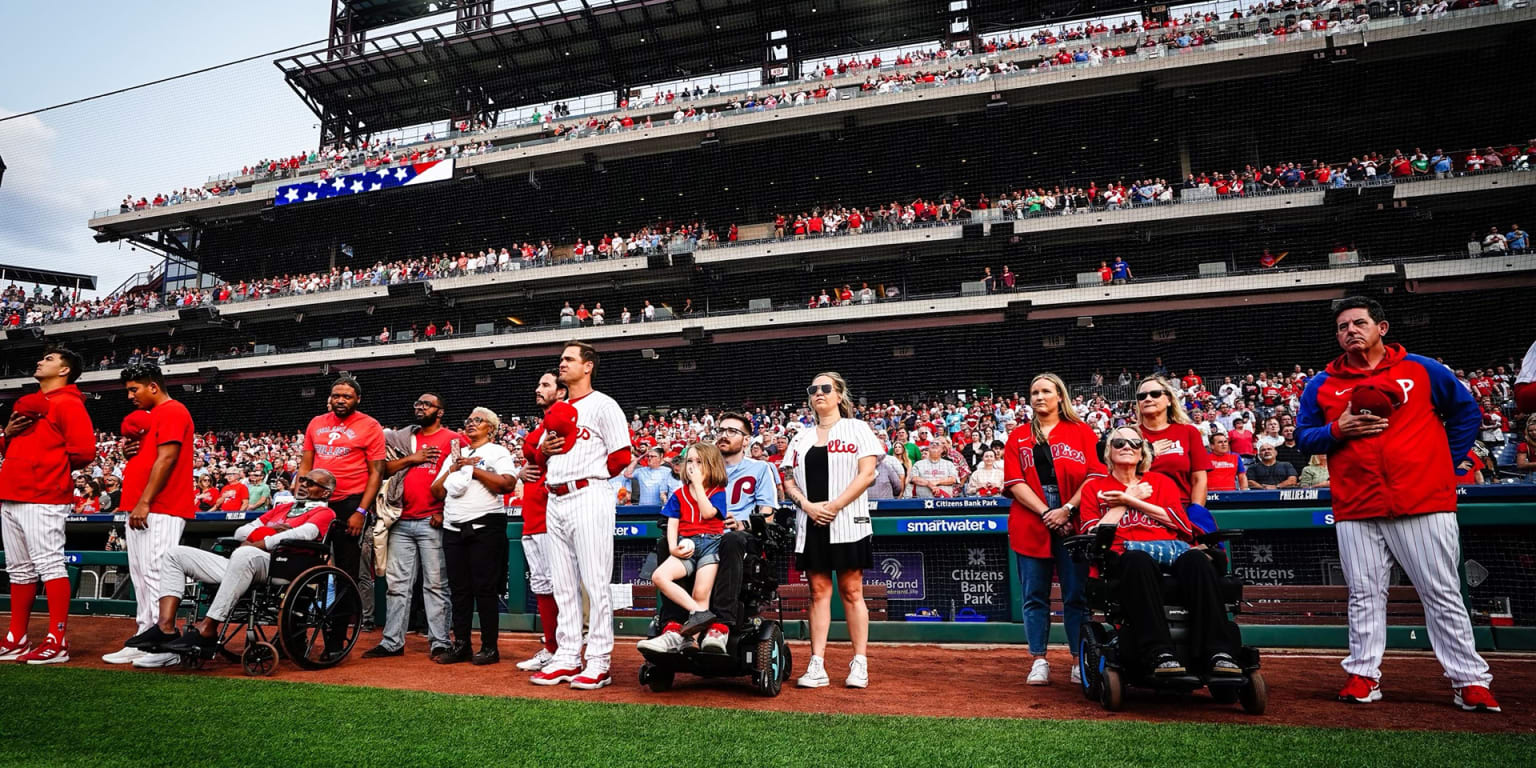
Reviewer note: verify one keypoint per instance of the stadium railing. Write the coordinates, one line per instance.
(1235, 39)
(948, 555)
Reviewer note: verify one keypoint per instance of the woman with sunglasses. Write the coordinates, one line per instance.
(1045, 463)
(1152, 537)
(831, 466)
(1178, 449)
(207, 495)
(471, 485)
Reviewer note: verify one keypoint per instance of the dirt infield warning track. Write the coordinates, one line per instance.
(924, 680)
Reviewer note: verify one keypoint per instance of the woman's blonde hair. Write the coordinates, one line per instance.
(1064, 409)
(840, 385)
(712, 462)
(1146, 448)
(1176, 412)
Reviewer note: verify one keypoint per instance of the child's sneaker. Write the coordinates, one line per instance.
(715, 639)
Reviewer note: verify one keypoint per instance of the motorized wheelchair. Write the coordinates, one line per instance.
(756, 646)
(307, 611)
(1107, 672)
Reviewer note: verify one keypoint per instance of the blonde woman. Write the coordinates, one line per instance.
(831, 467)
(1178, 447)
(1045, 464)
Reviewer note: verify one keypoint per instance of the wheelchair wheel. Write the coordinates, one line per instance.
(771, 665)
(1113, 694)
(233, 639)
(1090, 644)
(259, 659)
(1255, 695)
(657, 679)
(319, 618)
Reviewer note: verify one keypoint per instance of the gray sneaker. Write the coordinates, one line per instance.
(666, 642)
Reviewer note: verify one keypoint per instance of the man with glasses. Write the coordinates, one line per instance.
(260, 494)
(416, 538)
(305, 520)
(654, 483)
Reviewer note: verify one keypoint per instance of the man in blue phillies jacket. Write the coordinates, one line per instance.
(1393, 482)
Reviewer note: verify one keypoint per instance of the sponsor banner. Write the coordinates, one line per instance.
(900, 572)
(630, 565)
(628, 530)
(950, 525)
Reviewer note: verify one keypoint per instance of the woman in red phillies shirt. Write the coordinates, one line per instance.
(207, 495)
(1044, 462)
(1151, 535)
(1177, 445)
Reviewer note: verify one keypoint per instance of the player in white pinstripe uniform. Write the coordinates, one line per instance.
(157, 491)
(580, 518)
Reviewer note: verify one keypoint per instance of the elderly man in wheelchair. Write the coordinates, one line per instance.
(1166, 602)
(277, 572)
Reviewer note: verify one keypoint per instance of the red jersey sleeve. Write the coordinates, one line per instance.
(1013, 469)
(373, 447)
(79, 435)
(1092, 509)
(309, 434)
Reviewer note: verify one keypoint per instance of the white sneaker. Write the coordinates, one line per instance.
(157, 660)
(125, 656)
(1077, 673)
(858, 673)
(595, 676)
(538, 661)
(1040, 673)
(815, 674)
(666, 642)
(715, 641)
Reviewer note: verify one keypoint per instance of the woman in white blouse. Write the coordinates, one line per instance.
(833, 464)
(987, 480)
(471, 485)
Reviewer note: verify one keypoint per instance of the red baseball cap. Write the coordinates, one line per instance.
(136, 425)
(32, 405)
(561, 420)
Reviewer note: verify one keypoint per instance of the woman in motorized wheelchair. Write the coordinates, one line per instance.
(1139, 536)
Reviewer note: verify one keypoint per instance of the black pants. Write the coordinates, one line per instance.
(476, 559)
(723, 599)
(1145, 631)
(347, 549)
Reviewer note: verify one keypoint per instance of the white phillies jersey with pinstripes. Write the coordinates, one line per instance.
(601, 429)
(848, 441)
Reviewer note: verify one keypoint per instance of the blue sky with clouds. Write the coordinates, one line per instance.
(64, 164)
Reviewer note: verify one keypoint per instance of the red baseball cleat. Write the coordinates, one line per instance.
(52, 651)
(591, 680)
(1476, 698)
(13, 650)
(554, 676)
(1360, 689)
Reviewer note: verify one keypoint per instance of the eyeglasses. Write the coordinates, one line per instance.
(473, 420)
(1149, 394)
(825, 389)
(427, 403)
(1126, 442)
(730, 431)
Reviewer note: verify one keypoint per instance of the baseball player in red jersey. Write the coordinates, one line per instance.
(48, 436)
(157, 489)
(535, 535)
(580, 517)
(1394, 494)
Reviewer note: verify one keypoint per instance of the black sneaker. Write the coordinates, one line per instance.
(380, 652)
(150, 639)
(458, 654)
(697, 622)
(192, 642)
(368, 626)
(486, 656)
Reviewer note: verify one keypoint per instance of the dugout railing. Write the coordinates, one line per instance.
(951, 557)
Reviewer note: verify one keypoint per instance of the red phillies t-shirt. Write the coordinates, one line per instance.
(535, 494)
(1136, 525)
(235, 500)
(170, 422)
(417, 502)
(1223, 473)
(1184, 453)
(1242, 441)
(344, 449)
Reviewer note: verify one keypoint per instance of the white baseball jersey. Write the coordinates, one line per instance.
(1528, 367)
(601, 429)
(848, 441)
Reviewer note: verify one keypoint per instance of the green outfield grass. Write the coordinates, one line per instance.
(83, 717)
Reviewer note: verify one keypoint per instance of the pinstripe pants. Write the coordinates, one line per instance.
(1429, 549)
(146, 562)
(34, 541)
(579, 546)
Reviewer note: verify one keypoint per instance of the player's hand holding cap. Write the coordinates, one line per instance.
(32, 405)
(136, 425)
(561, 420)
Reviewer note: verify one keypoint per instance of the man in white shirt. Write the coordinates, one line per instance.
(933, 475)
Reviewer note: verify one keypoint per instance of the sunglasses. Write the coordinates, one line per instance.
(825, 389)
(1126, 442)
(307, 481)
(1148, 395)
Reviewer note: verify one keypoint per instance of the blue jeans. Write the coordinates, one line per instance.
(413, 545)
(1035, 576)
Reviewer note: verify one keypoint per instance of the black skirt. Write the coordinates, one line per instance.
(820, 554)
